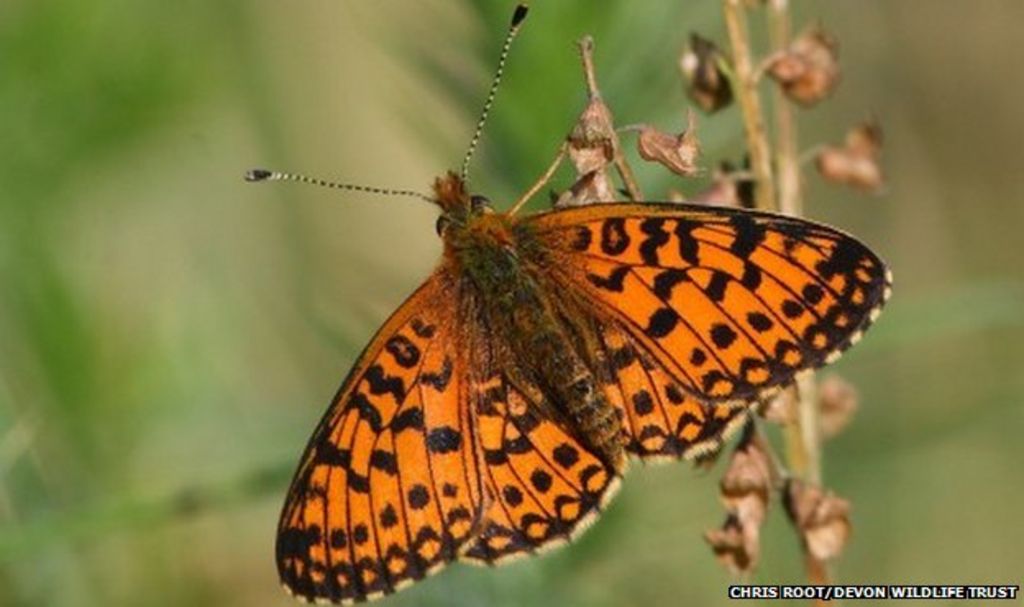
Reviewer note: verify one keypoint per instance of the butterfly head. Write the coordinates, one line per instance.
(458, 206)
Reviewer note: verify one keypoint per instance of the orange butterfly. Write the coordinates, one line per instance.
(493, 414)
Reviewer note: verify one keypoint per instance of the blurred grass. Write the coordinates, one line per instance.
(169, 335)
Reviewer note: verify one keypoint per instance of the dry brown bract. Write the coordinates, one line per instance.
(677, 153)
(808, 70)
(838, 400)
(856, 163)
(821, 518)
(707, 85)
(745, 489)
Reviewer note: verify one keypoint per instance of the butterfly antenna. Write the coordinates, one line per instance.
(264, 175)
(517, 20)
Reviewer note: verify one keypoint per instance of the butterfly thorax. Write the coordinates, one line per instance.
(501, 266)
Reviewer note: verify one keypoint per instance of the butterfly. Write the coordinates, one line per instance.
(494, 413)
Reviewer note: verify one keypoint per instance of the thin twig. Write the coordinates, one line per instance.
(745, 88)
(621, 165)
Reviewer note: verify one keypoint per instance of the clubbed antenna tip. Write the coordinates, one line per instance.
(513, 29)
(258, 175)
(255, 175)
(519, 15)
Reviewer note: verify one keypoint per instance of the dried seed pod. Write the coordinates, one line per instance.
(808, 70)
(744, 489)
(780, 409)
(747, 481)
(837, 399)
(857, 162)
(592, 150)
(706, 83)
(732, 546)
(677, 153)
(821, 518)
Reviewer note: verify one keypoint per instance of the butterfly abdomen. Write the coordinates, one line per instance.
(501, 265)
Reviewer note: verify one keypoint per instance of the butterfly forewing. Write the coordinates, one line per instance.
(731, 303)
(389, 488)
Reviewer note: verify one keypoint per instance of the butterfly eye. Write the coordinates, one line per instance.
(442, 224)
(480, 203)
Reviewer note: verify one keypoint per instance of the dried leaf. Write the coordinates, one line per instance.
(808, 71)
(707, 85)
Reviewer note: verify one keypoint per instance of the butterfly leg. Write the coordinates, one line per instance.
(544, 179)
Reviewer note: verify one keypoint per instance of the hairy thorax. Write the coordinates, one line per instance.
(503, 267)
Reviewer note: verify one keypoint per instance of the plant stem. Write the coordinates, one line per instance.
(802, 435)
(745, 88)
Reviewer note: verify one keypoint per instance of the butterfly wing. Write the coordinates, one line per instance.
(660, 419)
(731, 304)
(389, 487)
(543, 486)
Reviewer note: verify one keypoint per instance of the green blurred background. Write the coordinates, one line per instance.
(169, 334)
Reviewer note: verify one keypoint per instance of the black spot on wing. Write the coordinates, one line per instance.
(367, 411)
(408, 419)
(582, 239)
(444, 440)
(328, 454)
(384, 461)
(423, 329)
(760, 322)
(403, 351)
(654, 228)
(381, 383)
(613, 282)
(665, 281)
(749, 235)
(439, 379)
(418, 497)
(844, 259)
(722, 335)
(661, 322)
(614, 239)
(751, 276)
(716, 286)
(687, 243)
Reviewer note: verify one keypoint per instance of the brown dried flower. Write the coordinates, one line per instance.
(707, 85)
(808, 70)
(592, 150)
(732, 547)
(729, 188)
(821, 518)
(779, 410)
(856, 164)
(837, 399)
(677, 153)
(745, 489)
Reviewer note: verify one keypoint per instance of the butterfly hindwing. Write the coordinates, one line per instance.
(731, 303)
(388, 489)
(543, 485)
(659, 418)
